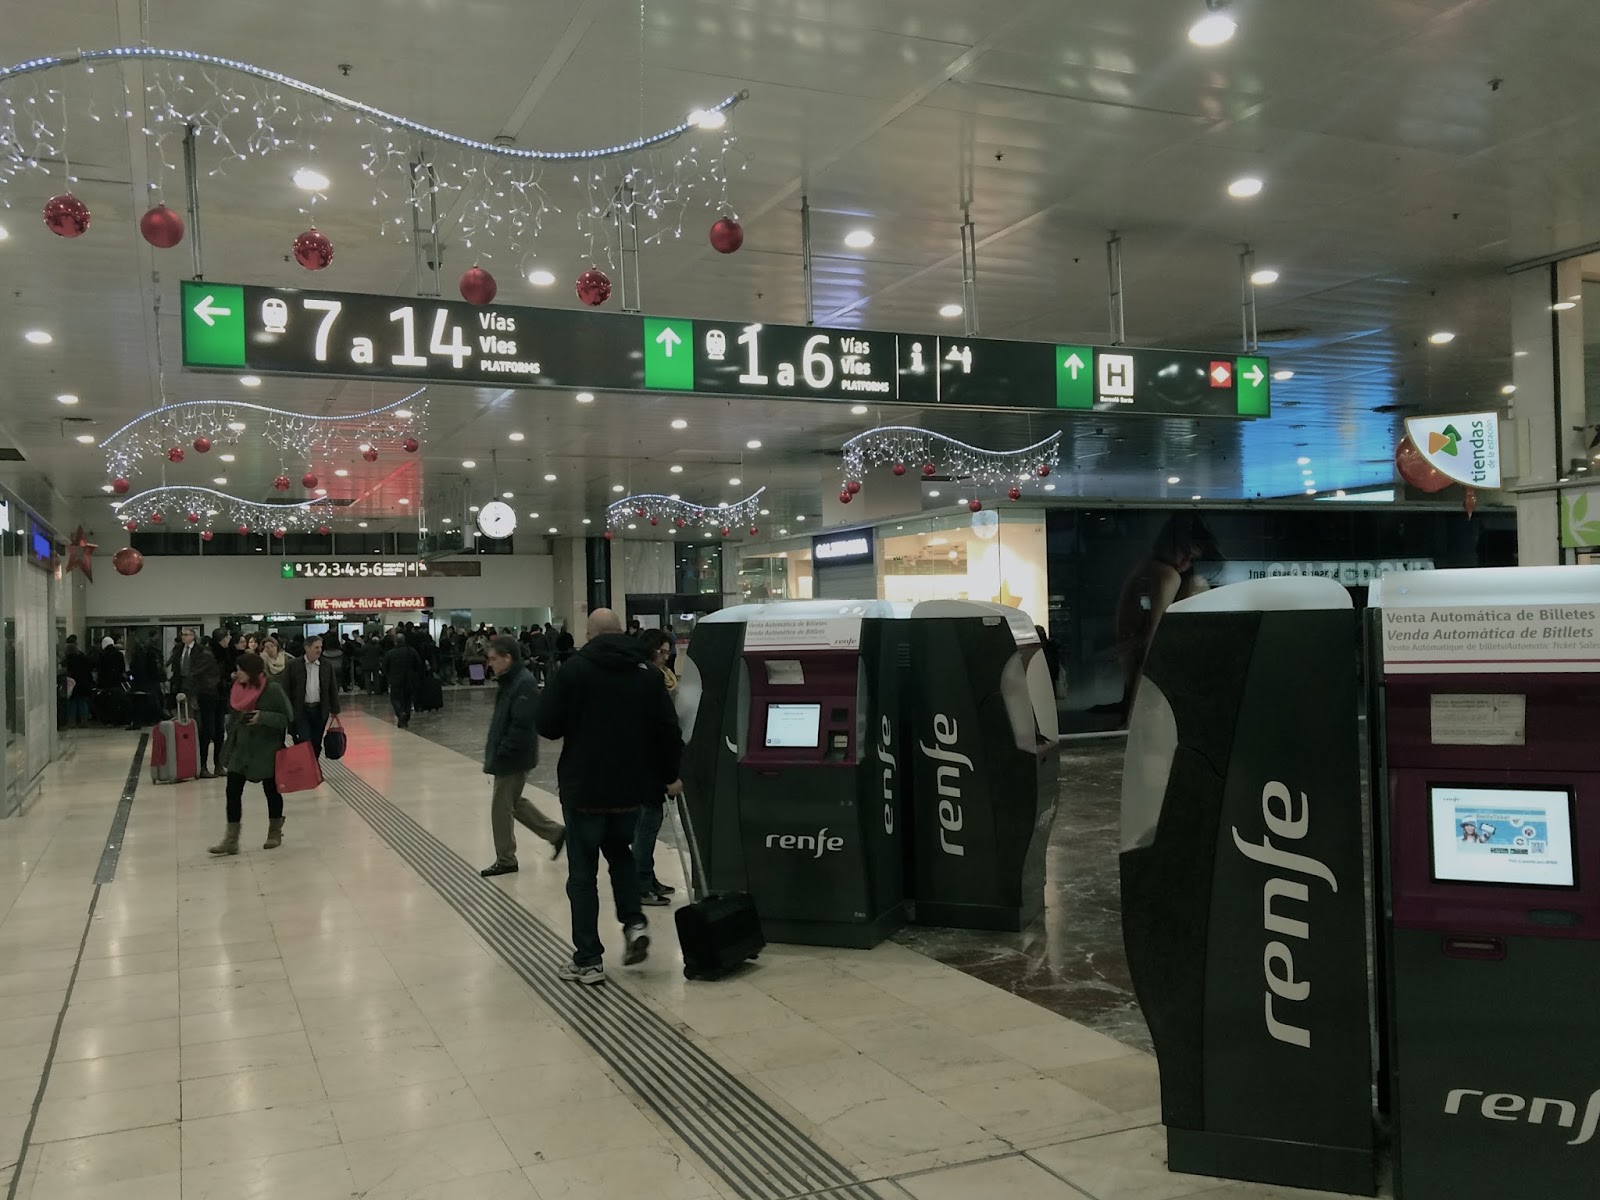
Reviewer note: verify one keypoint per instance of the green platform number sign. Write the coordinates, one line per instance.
(1075, 377)
(286, 571)
(213, 324)
(1255, 387)
(668, 354)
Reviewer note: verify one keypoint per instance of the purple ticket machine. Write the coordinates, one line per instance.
(1490, 832)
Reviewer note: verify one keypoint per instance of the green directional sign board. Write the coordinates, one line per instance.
(213, 325)
(669, 354)
(420, 340)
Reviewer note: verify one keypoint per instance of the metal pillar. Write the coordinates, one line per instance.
(423, 177)
(626, 213)
(1119, 326)
(191, 178)
(1247, 301)
(805, 260)
(969, 273)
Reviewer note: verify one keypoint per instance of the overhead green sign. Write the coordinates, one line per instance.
(669, 354)
(213, 324)
(1255, 387)
(1075, 377)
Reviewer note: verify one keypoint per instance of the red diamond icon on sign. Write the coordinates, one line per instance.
(1221, 374)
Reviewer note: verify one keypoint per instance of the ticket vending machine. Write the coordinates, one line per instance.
(1491, 827)
(1244, 911)
(982, 759)
(794, 801)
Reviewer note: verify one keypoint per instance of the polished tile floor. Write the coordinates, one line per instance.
(355, 1014)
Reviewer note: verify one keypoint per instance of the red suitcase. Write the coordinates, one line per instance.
(175, 749)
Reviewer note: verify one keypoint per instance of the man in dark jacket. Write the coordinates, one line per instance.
(402, 667)
(313, 688)
(81, 672)
(510, 753)
(112, 667)
(620, 748)
(197, 674)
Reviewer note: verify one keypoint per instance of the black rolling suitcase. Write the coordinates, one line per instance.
(430, 694)
(719, 931)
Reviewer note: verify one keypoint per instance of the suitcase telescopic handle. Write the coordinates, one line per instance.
(689, 851)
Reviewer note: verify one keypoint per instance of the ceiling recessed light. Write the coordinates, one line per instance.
(533, 516)
(220, 480)
(1194, 497)
(106, 487)
(474, 508)
(308, 180)
(707, 118)
(585, 397)
(236, 426)
(735, 481)
(800, 518)
(508, 495)
(1265, 277)
(250, 380)
(403, 413)
(1519, 354)
(66, 398)
(1245, 187)
(549, 478)
(1303, 461)
(1563, 305)
(1049, 487)
(675, 469)
(782, 532)
(515, 437)
(766, 512)
(341, 472)
(1307, 471)
(404, 500)
(1283, 376)
(320, 492)
(587, 521)
(446, 520)
(617, 487)
(229, 458)
(753, 444)
(1509, 389)
(1443, 338)
(38, 337)
(468, 463)
(1173, 479)
(680, 423)
(1213, 29)
(361, 524)
(933, 495)
(859, 239)
(552, 529)
(674, 496)
(540, 277)
(86, 438)
(950, 310)
(858, 410)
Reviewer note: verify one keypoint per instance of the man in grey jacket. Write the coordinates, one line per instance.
(512, 751)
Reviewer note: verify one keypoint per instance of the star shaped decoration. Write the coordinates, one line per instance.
(79, 555)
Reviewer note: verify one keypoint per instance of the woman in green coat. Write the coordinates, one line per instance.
(256, 725)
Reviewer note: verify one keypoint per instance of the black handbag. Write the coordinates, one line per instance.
(334, 741)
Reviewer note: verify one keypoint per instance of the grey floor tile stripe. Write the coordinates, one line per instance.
(107, 870)
(754, 1148)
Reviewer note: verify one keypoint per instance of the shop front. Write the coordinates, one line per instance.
(29, 564)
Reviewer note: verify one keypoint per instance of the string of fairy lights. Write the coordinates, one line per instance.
(631, 513)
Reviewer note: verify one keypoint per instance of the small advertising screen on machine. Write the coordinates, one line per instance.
(1521, 837)
(793, 725)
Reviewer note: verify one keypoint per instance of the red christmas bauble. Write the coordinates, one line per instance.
(1417, 470)
(410, 445)
(754, 531)
(727, 235)
(726, 532)
(130, 526)
(844, 496)
(308, 480)
(608, 535)
(161, 227)
(1015, 493)
(175, 454)
(477, 285)
(594, 287)
(120, 486)
(975, 504)
(66, 215)
(899, 468)
(281, 484)
(655, 520)
(313, 250)
(1044, 470)
(244, 529)
(157, 518)
(128, 561)
(853, 486)
(324, 530)
(193, 518)
(202, 445)
(929, 469)
(639, 512)
(680, 522)
(278, 533)
(370, 454)
(206, 535)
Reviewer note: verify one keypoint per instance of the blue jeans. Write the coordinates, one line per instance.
(589, 837)
(644, 844)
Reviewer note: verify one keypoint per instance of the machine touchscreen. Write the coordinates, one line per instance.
(1508, 836)
(793, 725)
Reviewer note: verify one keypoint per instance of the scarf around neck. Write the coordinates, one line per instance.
(243, 697)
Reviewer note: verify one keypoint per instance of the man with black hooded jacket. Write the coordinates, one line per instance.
(511, 752)
(620, 748)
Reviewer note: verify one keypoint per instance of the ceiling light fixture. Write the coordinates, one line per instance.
(309, 180)
(468, 463)
(320, 492)
(249, 381)
(1283, 376)
(858, 410)
(540, 277)
(515, 437)
(552, 529)
(617, 487)
(106, 487)
(950, 310)
(1244, 187)
(1303, 461)
(361, 524)
(508, 495)
(753, 444)
(766, 512)
(1519, 354)
(1443, 338)
(229, 458)
(859, 239)
(734, 482)
(446, 521)
(1563, 305)
(1215, 28)
(783, 533)
(38, 337)
(549, 478)
(587, 521)
(933, 495)
(1049, 487)
(341, 472)
(405, 500)
(1509, 389)
(237, 426)
(474, 508)
(220, 480)
(86, 439)
(674, 496)
(1194, 497)
(675, 469)
(66, 398)
(533, 516)
(1173, 479)
(680, 423)
(1265, 277)
(800, 518)
(585, 397)
(403, 413)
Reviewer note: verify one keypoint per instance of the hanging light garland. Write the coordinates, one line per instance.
(905, 448)
(669, 511)
(243, 111)
(200, 508)
(173, 430)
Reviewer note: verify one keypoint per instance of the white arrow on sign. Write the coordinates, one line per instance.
(668, 339)
(1074, 364)
(1255, 375)
(208, 312)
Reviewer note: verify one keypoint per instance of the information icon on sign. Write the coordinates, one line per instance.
(1116, 374)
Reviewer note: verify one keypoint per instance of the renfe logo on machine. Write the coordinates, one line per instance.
(820, 842)
(1288, 820)
(949, 781)
(1505, 1106)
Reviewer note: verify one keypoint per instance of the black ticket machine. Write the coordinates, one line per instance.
(794, 708)
(1243, 894)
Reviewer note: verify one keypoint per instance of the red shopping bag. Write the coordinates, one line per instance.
(297, 769)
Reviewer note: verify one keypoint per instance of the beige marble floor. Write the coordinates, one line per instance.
(316, 1021)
